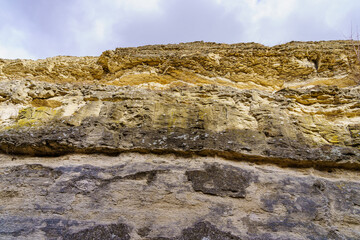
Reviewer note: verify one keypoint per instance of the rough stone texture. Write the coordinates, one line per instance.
(243, 65)
(316, 126)
(148, 196)
(190, 141)
(221, 182)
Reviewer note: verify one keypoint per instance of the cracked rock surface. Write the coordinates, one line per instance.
(190, 141)
(149, 196)
(317, 126)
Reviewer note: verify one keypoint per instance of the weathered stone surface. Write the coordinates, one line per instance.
(148, 196)
(190, 141)
(205, 230)
(112, 231)
(220, 181)
(55, 69)
(287, 127)
(244, 66)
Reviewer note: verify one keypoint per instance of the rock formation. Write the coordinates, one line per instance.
(188, 141)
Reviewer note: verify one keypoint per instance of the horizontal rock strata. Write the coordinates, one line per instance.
(189, 141)
(243, 66)
(317, 126)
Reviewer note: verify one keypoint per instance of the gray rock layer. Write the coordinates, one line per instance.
(146, 196)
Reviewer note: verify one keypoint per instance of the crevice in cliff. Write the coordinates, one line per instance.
(55, 151)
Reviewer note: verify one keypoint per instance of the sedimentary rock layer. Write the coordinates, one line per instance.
(146, 196)
(188, 141)
(243, 66)
(316, 126)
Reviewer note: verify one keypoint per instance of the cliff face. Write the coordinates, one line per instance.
(241, 66)
(188, 141)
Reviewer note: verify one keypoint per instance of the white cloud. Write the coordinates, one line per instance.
(88, 27)
(14, 53)
(136, 5)
(278, 21)
(11, 43)
(96, 22)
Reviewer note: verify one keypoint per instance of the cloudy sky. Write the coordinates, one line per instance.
(44, 28)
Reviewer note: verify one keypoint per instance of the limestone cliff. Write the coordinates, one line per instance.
(188, 141)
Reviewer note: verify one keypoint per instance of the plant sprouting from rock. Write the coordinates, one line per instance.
(355, 42)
